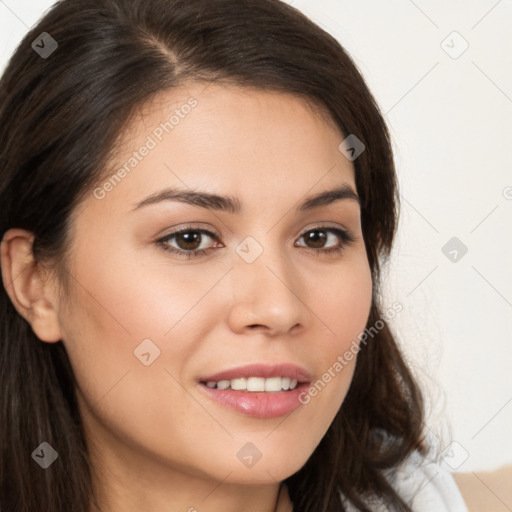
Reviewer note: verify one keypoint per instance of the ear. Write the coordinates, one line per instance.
(27, 285)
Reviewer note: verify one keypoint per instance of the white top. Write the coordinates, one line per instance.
(424, 484)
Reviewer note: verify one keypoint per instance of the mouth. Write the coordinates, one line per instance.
(259, 378)
(258, 390)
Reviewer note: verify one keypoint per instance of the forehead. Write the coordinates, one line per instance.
(230, 139)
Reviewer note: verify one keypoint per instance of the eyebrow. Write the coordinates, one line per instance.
(231, 204)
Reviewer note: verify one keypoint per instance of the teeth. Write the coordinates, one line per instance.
(223, 384)
(255, 384)
(238, 384)
(274, 384)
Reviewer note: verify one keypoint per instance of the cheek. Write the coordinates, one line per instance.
(344, 299)
(113, 308)
(117, 310)
(343, 303)
(123, 299)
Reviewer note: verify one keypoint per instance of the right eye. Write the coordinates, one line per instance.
(188, 240)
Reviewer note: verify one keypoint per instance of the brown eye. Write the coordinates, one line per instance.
(316, 237)
(187, 242)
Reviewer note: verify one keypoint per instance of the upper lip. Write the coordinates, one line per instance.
(291, 371)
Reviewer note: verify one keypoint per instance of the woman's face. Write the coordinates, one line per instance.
(146, 328)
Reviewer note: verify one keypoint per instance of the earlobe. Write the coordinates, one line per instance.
(26, 284)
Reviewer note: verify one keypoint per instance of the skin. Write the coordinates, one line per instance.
(157, 442)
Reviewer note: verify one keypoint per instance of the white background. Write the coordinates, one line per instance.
(450, 117)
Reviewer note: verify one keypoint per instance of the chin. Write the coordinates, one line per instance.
(274, 469)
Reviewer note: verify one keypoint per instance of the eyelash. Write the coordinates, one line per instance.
(346, 237)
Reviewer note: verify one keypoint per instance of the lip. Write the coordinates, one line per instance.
(259, 404)
(261, 370)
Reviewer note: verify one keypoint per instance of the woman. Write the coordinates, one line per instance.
(196, 200)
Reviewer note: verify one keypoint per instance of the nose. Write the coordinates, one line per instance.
(268, 295)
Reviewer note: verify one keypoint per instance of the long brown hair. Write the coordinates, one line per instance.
(60, 118)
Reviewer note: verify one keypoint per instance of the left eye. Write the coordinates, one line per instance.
(319, 237)
(189, 240)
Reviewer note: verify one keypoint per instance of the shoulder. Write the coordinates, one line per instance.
(426, 485)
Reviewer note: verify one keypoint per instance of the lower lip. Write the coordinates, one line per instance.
(258, 404)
